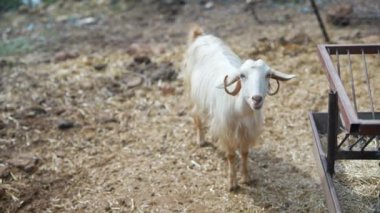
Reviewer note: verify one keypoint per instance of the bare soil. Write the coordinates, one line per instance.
(93, 115)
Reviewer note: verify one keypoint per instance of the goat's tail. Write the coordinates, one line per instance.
(195, 32)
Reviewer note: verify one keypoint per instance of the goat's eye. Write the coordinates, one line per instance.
(242, 76)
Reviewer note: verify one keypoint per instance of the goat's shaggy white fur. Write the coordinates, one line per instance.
(234, 122)
(208, 61)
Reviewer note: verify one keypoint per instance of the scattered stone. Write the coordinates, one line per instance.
(133, 81)
(114, 87)
(339, 14)
(34, 112)
(27, 163)
(100, 67)
(86, 21)
(209, 5)
(4, 171)
(65, 124)
(86, 85)
(142, 60)
(139, 49)
(165, 72)
(181, 113)
(63, 56)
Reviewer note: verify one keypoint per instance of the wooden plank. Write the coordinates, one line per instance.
(349, 117)
(326, 179)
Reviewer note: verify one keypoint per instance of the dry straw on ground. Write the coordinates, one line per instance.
(129, 146)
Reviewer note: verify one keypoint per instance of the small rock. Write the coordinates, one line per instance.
(63, 56)
(86, 85)
(4, 171)
(133, 81)
(181, 113)
(209, 5)
(164, 72)
(142, 60)
(339, 14)
(100, 67)
(34, 112)
(28, 163)
(86, 21)
(65, 124)
(139, 49)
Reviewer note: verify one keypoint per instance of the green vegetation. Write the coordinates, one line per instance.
(14, 46)
(8, 5)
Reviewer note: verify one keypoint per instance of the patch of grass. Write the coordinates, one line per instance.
(49, 1)
(14, 46)
(8, 5)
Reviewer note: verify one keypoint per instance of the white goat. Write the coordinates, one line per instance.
(210, 67)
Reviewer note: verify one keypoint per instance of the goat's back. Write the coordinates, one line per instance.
(209, 58)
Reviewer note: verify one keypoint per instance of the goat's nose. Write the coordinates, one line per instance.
(257, 98)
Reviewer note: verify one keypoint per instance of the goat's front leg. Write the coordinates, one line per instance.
(200, 131)
(231, 157)
(244, 150)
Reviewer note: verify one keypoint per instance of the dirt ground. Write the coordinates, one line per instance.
(93, 115)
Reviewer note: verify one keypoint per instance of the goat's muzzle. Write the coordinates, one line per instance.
(237, 88)
(255, 102)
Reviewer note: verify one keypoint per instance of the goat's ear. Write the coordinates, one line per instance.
(280, 75)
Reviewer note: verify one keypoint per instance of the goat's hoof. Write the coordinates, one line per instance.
(250, 182)
(246, 179)
(234, 188)
(204, 144)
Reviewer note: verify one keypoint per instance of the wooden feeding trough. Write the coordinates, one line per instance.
(352, 131)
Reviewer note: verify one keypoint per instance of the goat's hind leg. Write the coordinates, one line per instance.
(199, 126)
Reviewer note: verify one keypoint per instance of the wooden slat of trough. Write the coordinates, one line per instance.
(351, 122)
(326, 179)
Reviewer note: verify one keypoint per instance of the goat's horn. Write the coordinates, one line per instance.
(237, 88)
(277, 89)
